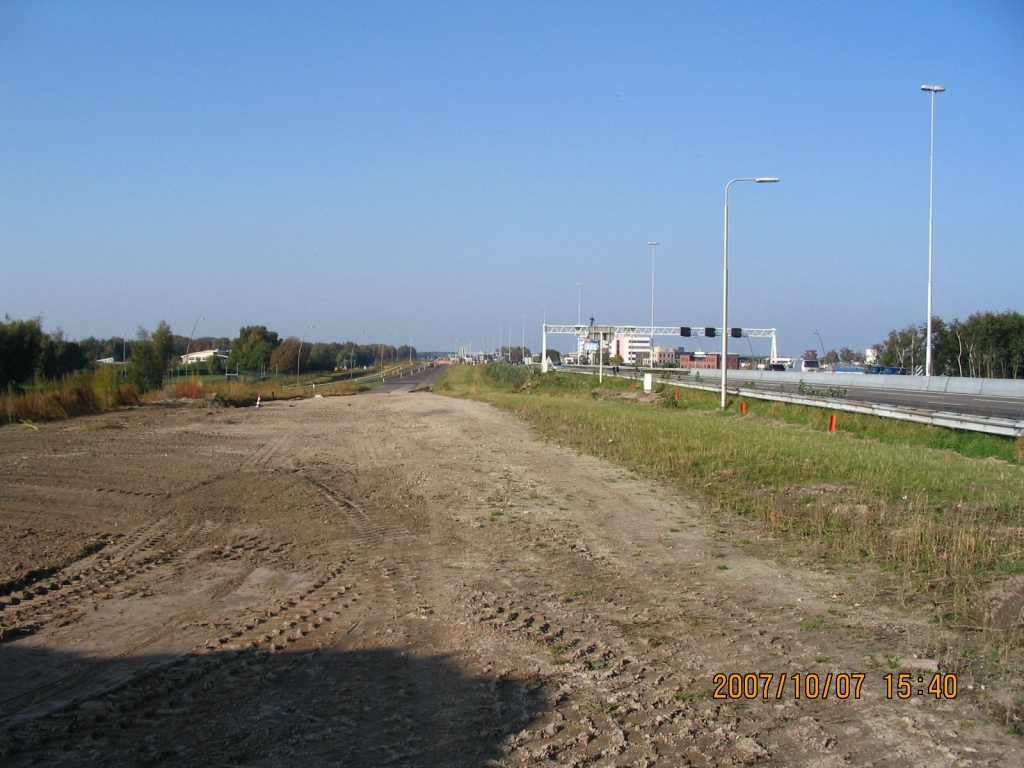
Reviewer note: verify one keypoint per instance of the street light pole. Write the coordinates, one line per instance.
(522, 349)
(933, 89)
(654, 246)
(820, 342)
(298, 358)
(193, 333)
(725, 282)
(579, 300)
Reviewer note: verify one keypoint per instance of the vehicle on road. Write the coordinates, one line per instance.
(775, 367)
(808, 366)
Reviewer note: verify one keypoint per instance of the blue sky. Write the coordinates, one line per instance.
(436, 171)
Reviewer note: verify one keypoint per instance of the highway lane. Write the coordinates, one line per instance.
(409, 382)
(977, 405)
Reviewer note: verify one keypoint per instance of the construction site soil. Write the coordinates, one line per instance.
(413, 580)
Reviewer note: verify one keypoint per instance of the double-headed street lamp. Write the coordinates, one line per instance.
(725, 280)
(933, 89)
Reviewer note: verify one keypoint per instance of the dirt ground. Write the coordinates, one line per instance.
(413, 580)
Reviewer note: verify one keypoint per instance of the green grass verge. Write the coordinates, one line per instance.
(910, 498)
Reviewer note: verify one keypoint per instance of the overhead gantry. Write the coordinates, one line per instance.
(604, 333)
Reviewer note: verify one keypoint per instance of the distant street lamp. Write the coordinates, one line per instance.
(725, 281)
(654, 246)
(933, 89)
(298, 359)
(522, 349)
(579, 300)
(820, 342)
(191, 334)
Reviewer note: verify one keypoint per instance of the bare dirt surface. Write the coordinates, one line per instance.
(411, 580)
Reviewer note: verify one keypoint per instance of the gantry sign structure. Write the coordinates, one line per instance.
(603, 333)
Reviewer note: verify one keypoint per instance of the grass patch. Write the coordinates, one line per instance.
(940, 524)
(816, 623)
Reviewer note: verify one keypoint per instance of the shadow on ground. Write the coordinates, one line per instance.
(380, 707)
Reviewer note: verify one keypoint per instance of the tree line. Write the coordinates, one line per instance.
(986, 345)
(28, 354)
(261, 351)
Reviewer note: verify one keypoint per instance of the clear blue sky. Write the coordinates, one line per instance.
(437, 170)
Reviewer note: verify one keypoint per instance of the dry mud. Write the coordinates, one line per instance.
(412, 580)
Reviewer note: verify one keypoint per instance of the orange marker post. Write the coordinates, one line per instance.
(832, 423)
(743, 407)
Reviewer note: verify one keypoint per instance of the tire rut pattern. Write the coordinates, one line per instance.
(328, 609)
(612, 700)
(58, 598)
(146, 697)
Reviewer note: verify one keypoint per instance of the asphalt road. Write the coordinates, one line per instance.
(977, 405)
(409, 382)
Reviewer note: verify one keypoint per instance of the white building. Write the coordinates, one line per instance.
(630, 347)
(201, 357)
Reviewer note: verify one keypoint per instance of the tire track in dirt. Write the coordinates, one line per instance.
(306, 618)
(57, 597)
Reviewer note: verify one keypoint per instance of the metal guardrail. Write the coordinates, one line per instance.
(991, 425)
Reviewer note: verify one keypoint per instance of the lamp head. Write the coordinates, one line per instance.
(766, 180)
(654, 243)
(933, 88)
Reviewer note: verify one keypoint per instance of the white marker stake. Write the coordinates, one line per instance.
(257, 401)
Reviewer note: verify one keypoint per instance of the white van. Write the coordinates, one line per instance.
(807, 366)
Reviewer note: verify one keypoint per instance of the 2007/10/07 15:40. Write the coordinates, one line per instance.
(762, 685)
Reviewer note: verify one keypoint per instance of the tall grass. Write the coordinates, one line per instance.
(89, 392)
(943, 525)
(76, 394)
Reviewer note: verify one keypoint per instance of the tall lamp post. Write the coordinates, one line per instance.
(725, 281)
(522, 349)
(820, 342)
(654, 246)
(298, 358)
(933, 89)
(193, 333)
(579, 300)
